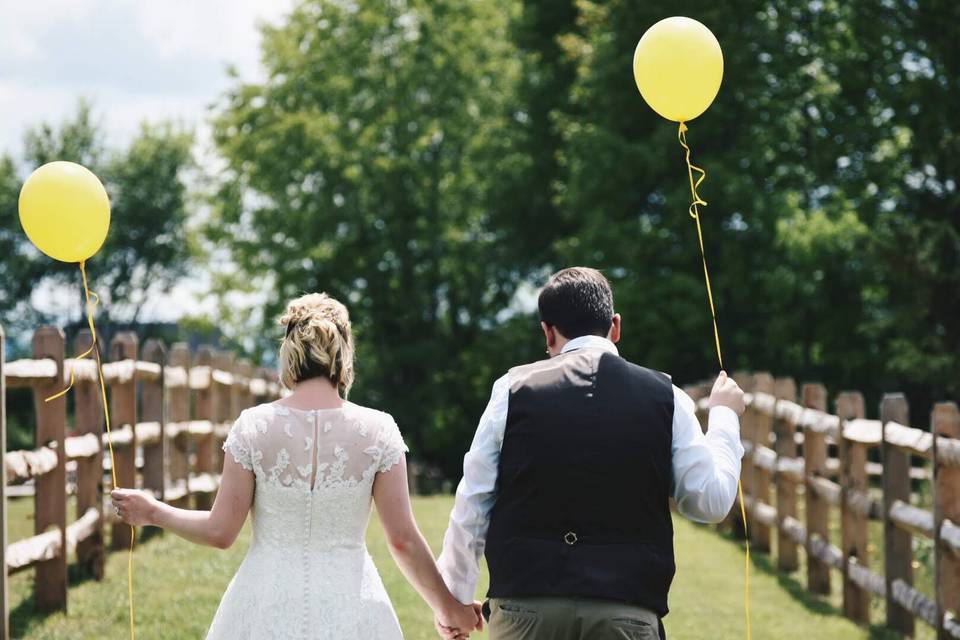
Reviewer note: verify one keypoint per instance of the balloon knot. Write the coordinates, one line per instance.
(683, 127)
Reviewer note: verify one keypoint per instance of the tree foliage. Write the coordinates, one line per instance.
(831, 153)
(375, 164)
(147, 247)
(428, 162)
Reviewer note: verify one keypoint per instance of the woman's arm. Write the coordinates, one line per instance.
(411, 552)
(218, 527)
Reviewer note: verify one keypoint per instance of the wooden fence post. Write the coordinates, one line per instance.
(50, 497)
(745, 380)
(88, 418)
(123, 415)
(152, 410)
(853, 478)
(226, 400)
(4, 596)
(762, 424)
(786, 447)
(223, 361)
(269, 376)
(243, 369)
(814, 396)
(206, 410)
(179, 412)
(897, 542)
(946, 505)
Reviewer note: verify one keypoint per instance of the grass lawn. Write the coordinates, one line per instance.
(178, 586)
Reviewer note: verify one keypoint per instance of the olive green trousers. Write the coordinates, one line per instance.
(570, 619)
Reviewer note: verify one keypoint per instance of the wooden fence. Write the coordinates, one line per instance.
(169, 410)
(796, 449)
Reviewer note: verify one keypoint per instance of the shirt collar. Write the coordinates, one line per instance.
(590, 342)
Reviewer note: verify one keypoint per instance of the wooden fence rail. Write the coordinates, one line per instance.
(168, 421)
(795, 448)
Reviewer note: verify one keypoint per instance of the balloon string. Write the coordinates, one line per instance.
(695, 214)
(697, 201)
(92, 300)
(746, 560)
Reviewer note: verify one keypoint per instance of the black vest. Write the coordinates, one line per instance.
(584, 482)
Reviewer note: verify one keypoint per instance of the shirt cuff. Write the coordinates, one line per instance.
(462, 590)
(463, 593)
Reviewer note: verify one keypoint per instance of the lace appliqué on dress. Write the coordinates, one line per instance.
(390, 448)
(346, 447)
(237, 446)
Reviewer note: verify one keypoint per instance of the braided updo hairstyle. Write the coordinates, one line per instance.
(318, 342)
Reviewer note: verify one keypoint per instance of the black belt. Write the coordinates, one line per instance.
(573, 538)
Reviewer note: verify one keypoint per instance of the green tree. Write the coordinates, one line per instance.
(147, 247)
(23, 268)
(374, 164)
(902, 166)
(544, 90)
(18, 272)
(428, 161)
(832, 163)
(626, 184)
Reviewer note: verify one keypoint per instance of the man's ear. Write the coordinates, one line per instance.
(549, 334)
(615, 329)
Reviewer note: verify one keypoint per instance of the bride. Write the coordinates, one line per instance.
(309, 466)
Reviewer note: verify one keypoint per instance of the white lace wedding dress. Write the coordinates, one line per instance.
(307, 573)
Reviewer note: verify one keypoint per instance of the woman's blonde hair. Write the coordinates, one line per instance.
(318, 342)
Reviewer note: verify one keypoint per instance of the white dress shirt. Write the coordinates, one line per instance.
(706, 468)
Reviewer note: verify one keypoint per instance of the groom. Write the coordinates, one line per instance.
(567, 484)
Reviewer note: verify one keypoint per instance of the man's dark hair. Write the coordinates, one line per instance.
(577, 301)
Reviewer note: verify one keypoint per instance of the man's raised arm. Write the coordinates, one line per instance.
(706, 467)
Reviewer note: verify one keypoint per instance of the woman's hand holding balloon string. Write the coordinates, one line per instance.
(65, 212)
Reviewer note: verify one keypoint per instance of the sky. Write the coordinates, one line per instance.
(135, 60)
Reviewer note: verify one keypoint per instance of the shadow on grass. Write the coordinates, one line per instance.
(879, 632)
(811, 602)
(22, 616)
(26, 614)
(789, 583)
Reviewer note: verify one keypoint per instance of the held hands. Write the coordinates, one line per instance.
(459, 622)
(727, 393)
(134, 507)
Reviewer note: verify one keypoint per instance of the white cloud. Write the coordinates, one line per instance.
(136, 61)
(208, 29)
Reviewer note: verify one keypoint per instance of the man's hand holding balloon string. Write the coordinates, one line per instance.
(678, 68)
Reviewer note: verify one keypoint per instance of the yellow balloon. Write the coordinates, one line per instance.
(678, 67)
(65, 211)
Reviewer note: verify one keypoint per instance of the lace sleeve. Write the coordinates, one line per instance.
(238, 445)
(392, 447)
